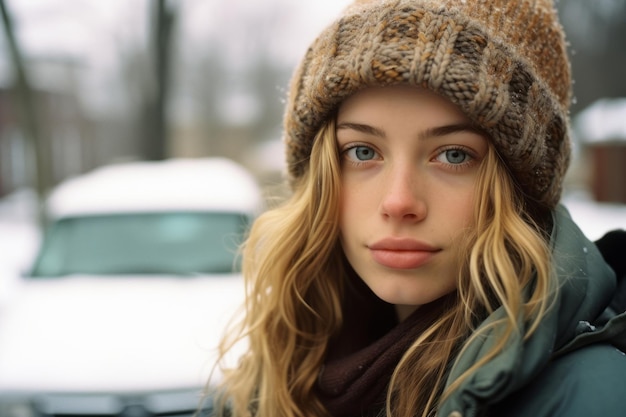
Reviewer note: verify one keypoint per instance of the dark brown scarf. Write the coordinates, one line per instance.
(361, 360)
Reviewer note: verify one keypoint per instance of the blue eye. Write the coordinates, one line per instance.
(361, 153)
(454, 156)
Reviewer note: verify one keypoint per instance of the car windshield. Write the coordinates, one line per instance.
(143, 243)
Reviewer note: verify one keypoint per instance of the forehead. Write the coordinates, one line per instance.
(401, 101)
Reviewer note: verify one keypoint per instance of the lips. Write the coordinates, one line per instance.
(402, 253)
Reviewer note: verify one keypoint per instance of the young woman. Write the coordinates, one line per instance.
(423, 265)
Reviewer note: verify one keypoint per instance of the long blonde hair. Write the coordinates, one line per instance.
(295, 274)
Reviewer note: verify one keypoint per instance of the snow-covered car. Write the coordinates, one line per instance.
(130, 291)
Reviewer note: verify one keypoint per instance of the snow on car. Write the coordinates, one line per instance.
(130, 291)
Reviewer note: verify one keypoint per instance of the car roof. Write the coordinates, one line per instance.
(202, 184)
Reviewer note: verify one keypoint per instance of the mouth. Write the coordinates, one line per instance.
(402, 253)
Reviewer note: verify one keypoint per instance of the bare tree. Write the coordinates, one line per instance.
(28, 115)
(155, 126)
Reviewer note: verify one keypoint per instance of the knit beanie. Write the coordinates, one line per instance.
(503, 62)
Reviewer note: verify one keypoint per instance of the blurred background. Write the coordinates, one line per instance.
(86, 84)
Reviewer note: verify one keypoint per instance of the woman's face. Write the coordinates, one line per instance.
(409, 161)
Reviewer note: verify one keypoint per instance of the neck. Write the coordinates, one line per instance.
(404, 311)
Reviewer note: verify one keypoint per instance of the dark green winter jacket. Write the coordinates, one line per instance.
(571, 366)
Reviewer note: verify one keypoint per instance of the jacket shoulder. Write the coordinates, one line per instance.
(587, 382)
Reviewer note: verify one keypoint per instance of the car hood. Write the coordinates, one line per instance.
(114, 333)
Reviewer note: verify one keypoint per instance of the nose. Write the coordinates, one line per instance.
(404, 196)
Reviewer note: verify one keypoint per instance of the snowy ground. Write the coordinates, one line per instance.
(19, 236)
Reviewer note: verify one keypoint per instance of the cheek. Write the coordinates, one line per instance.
(467, 206)
(348, 209)
(356, 204)
(461, 208)
(352, 198)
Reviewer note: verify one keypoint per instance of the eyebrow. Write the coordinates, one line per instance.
(433, 132)
(367, 129)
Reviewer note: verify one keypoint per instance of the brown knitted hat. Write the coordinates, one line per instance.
(503, 62)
